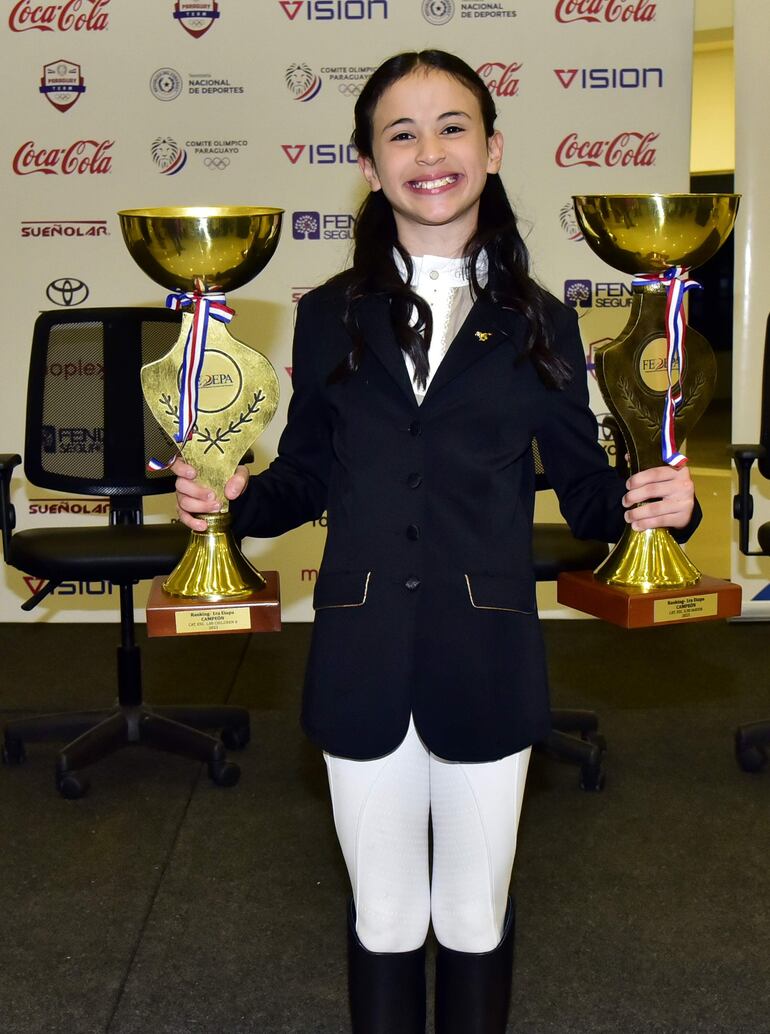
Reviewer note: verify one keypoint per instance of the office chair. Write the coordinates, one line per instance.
(575, 735)
(89, 431)
(752, 740)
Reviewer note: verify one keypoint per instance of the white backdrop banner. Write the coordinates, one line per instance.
(752, 273)
(116, 104)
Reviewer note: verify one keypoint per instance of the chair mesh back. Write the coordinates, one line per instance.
(88, 427)
(541, 478)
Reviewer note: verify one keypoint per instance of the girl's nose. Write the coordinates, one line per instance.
(431, 152)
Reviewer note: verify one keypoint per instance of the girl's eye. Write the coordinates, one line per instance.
(453, 129)
(402, 136)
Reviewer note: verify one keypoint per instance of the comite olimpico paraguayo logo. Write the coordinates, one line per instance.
(62, 84)
(168, 156)
(302, 82)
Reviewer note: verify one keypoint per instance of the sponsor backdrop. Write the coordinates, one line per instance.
(752, 273)
(115, 104)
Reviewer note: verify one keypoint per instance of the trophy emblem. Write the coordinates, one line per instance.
(212, 394)
(657, 378)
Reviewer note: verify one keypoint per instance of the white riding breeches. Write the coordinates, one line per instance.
(381, 813)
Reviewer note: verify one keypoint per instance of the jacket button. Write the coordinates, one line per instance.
(412, 583)
(414, 480)
(412, 532)
(415, 428)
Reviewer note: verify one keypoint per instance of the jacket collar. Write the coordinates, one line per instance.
(486, 326)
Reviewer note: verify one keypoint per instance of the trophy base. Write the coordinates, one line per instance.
(647, 560)
(213, 567)
(171, 615)
(709, 599)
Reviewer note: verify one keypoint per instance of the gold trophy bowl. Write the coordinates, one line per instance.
(201, 252)
(649, 235)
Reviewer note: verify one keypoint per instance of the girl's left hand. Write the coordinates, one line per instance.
(667, 496)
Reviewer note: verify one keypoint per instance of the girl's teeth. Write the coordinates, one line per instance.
(432, 184)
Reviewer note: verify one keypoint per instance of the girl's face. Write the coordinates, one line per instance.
(431, 157)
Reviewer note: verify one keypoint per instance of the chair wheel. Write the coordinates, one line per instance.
(236, 737)
(592, 778)
(751, 758)
(71, 785)
(224, 773)
(13, 752)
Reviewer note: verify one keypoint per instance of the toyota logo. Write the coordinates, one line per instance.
(66, 291)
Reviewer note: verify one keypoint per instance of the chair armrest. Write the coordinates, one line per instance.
(743, 503)
(8, 461)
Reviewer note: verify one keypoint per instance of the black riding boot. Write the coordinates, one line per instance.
(473, 991)
(387, 990)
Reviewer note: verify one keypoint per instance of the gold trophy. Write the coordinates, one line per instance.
(214, 396)
(657, 378)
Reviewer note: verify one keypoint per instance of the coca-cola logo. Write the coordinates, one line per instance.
(501, 79)
(625, 149)
(71, 16)
(84, 157)
(605, 10)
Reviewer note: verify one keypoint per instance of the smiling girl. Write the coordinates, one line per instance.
(421, 377)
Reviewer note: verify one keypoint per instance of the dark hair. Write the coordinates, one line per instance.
(374, 271)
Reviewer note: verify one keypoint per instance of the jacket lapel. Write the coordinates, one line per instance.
(374, 320)
(485, 327)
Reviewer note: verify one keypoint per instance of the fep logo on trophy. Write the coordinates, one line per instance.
(214, 396)
(657, 378)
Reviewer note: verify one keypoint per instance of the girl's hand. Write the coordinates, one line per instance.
(667, 496)
(193, 497)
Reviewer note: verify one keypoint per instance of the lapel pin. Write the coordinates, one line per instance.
(483, 335)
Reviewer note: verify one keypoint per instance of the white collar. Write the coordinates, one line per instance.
(458, 269)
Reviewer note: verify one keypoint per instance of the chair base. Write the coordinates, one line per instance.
(177, 730)
(587, 749)
(751, 746)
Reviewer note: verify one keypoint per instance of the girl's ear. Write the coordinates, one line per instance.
(368, 171)
(495, 152)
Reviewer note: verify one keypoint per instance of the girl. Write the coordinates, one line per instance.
(421, 377)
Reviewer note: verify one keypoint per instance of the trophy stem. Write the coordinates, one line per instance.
(647, 560)
(213, 567)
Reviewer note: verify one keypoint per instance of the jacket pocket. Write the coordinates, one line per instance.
(500, 592)
(341, 589)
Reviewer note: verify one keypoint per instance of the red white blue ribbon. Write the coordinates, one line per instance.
(677, 284)
(207, 305)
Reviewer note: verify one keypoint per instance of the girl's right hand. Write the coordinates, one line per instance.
(192, 497)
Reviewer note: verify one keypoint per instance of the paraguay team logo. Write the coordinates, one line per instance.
(302, 82)
(168, 156)
(196, 16)
(62, 84)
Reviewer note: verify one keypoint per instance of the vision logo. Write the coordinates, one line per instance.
(321, 154)
(334, 10)
(610, 78)
(62, 84)
(302, 82)
(196, 16)
(96, 588)
(169, 157)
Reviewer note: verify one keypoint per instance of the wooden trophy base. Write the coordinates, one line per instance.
(174, 615)
(710, 599)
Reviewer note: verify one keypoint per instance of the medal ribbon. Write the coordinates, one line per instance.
(677, 284)
(208, 305)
